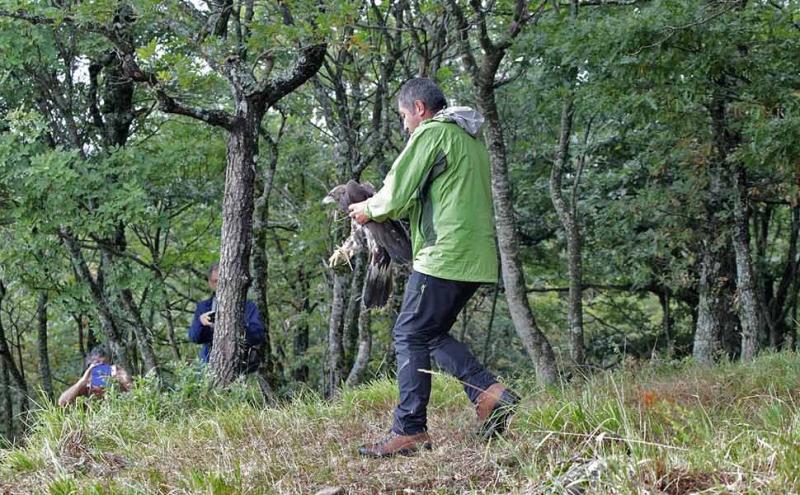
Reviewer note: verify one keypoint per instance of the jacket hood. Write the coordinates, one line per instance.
(466, 118)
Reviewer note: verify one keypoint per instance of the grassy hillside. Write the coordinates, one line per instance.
(654, 429)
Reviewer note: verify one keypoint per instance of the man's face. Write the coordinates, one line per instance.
(213, 278)
(412, 117)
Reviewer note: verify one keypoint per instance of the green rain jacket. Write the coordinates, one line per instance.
(442, 183)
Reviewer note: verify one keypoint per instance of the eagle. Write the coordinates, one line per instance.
(386, 242)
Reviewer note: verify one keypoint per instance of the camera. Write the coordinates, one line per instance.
(100, 375)
(211, 316)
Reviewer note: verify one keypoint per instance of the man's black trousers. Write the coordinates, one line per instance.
(430, 307)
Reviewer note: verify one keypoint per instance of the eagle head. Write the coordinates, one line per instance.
(346, 194)
(336, 195)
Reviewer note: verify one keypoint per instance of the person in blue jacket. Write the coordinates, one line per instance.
(201, 330)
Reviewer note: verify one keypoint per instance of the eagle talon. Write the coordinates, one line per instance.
(339, 256)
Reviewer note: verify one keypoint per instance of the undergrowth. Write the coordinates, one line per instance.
(665, 428)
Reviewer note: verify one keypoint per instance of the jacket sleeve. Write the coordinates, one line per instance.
(199, 333)
(255, 333)
(402, 183)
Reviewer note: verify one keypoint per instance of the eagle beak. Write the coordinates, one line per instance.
(328, 199)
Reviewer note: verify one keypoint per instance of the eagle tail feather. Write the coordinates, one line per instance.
(378, 285)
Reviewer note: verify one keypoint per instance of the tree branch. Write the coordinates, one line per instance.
(463, 39)
(272, 90)
(169, 104)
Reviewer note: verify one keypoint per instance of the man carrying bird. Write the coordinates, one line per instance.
(441, 181)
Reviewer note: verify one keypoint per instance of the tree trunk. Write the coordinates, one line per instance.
(140, 332)
(730, 326)
(361, 361)
(488, 340)
(534, 340)
(9, 366)
(251, 100)
(666, 322)
(352, 317)
(7, 409)
(167, 311)
(777, 305)
(261, 282)
(79, 321)
(44, 359)
(237, 222)
(567, 217)
(18, 346)
(483, 79)
(707, 333)
(300, 337)
(335, 357)
(260, 259)
(173, 342)
(791, 334)
(115, 338)
(791, 337)
(344, 306)
(761, 221)
(389, 359)
(745, 283)
(91, 335)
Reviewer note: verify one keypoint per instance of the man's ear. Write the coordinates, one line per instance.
(419, 107)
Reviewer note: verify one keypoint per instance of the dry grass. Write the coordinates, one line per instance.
(734, 429)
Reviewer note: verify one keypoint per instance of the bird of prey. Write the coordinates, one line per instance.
(385, 241)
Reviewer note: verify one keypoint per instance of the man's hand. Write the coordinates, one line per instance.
(86, 379)
(82, 387)
(357, 212)
(205, 320)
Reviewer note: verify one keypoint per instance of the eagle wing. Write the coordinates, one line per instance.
(390, 235)
(386, 242)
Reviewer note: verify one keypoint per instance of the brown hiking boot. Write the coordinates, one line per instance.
(495, 407)
(395, 444)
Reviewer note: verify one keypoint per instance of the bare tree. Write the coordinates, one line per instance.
(745, 275)
(568, 215)
(10, 367)
(44, 358)
(6, 403)
(264, 184)
(483, 73)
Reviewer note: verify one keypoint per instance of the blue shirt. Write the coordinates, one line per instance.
(255, 334)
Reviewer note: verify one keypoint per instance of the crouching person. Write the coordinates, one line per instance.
(97, 377)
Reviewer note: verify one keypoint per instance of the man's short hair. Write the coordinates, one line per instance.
(423, 89)
(211, 269)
